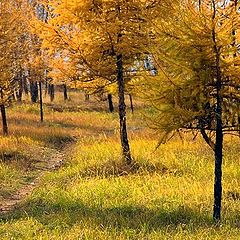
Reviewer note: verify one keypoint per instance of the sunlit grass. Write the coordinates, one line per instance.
(30, 139)
(169, 195)
(16, 157)
(165, 194)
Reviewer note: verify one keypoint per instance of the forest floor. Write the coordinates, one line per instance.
(92, 194)
(52, 160)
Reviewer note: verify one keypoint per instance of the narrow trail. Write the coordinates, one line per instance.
(53, 162)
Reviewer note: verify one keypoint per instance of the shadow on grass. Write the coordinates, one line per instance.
(90, 106)
(54, 133)
(119, 217)
(64, 212)
(137, 218)
(117, 169)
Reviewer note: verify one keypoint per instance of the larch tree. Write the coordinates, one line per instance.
(103, 38)
(11, 57)
(198, 82)
(38, 64)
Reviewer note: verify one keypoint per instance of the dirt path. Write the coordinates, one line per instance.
(52, 162)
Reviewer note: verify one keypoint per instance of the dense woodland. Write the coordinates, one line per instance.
(164, 73)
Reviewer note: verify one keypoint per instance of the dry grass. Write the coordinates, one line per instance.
(165, 194)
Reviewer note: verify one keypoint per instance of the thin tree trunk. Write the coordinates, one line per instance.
(87, 97)
(4, 120)
(219, 134)
(51, 92)
(110, 103)
(46, 86)
(65, 93)
(4, 115)
(122, 112)
(40, 101)
(34, 91)
(218, 154)
(131, 102)
(20, 89)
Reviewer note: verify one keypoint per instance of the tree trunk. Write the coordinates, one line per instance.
(34, 91)
(4, 115)
(218, 154)
(46, 87)
(219, 134)
(110, 103)
(51, 92)
(65, 93)
(4, 120)
(131, 102)
(40, 101)
(19, 92)
(122, 112)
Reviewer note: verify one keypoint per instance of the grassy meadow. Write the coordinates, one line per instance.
(165, 194)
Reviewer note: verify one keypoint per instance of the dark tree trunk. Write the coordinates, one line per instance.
(218, 172)
(65, 93)
(131, 102)
(218, 155)
(4, 120)
(40, 101)
(219, 136)
(4, 115)
(122, 112)
(110, 103)
(51, 92)
(34, 91)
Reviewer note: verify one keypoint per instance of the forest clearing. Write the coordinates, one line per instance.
(165, 194)
(119, 119)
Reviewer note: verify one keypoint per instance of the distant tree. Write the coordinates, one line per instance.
(65, 92)
(110, 103)
(33, 89)
(11, 58)
(38, 63)
(51, 91)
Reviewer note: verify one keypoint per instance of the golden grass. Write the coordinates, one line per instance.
(164, 194)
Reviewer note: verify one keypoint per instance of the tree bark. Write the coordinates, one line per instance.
(34, 91)
(51, 92)
(131, 102)
(65, 93)
(219, 132)
(4, 120)
(122, 112)
(218, 154)
(40, 101)
(110, 103)
(19, 92)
